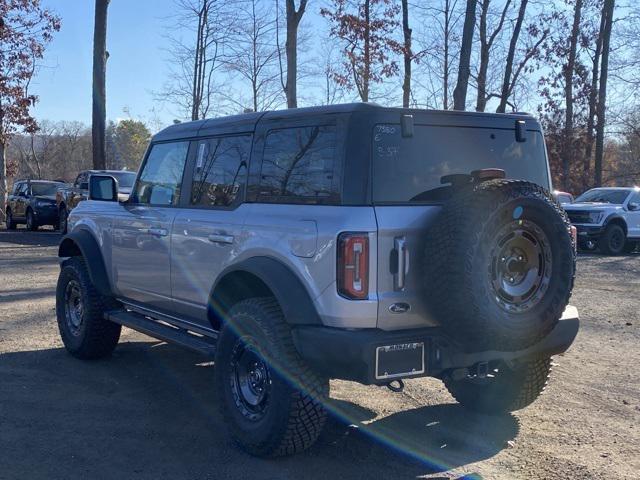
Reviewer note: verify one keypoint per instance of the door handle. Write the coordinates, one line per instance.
(400, 245)
(158, 232)
(221, 238)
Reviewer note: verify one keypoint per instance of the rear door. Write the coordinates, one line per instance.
(207, 232)
(408, 194)
(141, 232)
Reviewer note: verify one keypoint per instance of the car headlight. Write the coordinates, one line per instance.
(595, 217)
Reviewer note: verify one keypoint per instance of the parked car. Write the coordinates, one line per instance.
(354, 242)
(563, 197)
(68, 198)
(32, 202)
(608, 218)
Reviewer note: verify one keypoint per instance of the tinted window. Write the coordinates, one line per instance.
(17, 187)
(125, 179)
(298, 165)
(160, 179)
(604, 195)
(81, 181)
(44, 188)
(406, 169)
(221, 171)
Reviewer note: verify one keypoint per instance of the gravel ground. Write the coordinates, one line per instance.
(148, 412)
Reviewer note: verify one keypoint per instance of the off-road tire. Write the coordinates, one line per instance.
(63, 218)
(510, 389)
(10, 223)
(96, 337)
(613, 240)
(459, 254)
(32, 223)
(294, 415)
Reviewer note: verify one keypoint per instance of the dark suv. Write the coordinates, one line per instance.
(33, 202)
(352, 241)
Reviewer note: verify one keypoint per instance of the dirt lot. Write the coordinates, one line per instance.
(148, 411)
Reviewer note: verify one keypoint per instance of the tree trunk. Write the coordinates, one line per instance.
(506, 82)
(481, 101)
(464, 70)
(593, 103)
(291, 48)
(607, 12)
(445, 76)
(367, 51)
(406, 84)
(567, 156)
(99, 89)
(3, 180)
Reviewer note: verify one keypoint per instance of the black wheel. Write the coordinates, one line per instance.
(504, 389)
(271, 400)
(613, 240)
(32, 224)
(62, 219)
(9, 221)
(499, 265)
(85, 332)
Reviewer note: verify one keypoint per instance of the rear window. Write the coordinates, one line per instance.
(407, 169)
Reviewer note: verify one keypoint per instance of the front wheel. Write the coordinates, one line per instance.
(270, 399)
(80, 308)
(613, 240)
(10, 222)
(32, 224)
(504, 388)
(62, 219)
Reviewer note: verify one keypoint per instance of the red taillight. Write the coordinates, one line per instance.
(574, 237)
(353, 265)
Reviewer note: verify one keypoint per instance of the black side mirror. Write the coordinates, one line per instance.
(633, 206)
(103, 188)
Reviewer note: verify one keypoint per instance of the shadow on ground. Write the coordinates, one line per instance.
(22, 238)
(149, 412)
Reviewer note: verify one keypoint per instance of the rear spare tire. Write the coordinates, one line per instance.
(499, 265)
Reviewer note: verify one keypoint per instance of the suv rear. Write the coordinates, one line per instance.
(353, 242)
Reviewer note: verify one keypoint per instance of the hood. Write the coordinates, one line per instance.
(588, 206)
(51, 198)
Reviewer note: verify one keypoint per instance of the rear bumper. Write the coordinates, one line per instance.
(351, 354)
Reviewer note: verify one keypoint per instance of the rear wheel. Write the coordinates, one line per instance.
(10, 222)
(62, 219)
(85, 332)
(32, 224)
(270, 399)
(504, 389)
(613, 240)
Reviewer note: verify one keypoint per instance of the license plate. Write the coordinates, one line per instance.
(399, 360)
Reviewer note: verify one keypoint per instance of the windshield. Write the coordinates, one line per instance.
(44, 188)
(408, 169)
(125, 179)
(604, 195)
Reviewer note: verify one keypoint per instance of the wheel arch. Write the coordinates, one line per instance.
(257, 277)
(616, 219)
(83, 244)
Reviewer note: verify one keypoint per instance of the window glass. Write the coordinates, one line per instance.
(604, 195)
(298, 165)
(221, 171)
(161, 177)
(125, 179)
(24, 188)
(17, 187)
(44, 188)
(410, 169)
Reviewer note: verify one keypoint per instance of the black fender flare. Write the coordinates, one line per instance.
(83, 243)
(238, 282)
(618, 218)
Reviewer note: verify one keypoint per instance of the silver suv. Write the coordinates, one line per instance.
(353, 242)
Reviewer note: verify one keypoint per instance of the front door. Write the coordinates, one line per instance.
(141, 233)
(209, 230)
(633, 217)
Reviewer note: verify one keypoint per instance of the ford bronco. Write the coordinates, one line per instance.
(347, 242)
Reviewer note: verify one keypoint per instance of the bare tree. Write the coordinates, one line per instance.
(100, 56)
(293, 18)
(407, 55)
(487, 41)
(607, 12)
(508, 82)
(464, 68)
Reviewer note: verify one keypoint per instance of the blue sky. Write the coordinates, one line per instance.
(136, 66)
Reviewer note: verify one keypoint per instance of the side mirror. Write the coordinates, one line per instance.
(633, 206)
(103, 188)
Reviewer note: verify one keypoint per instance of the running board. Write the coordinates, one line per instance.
(162, 331)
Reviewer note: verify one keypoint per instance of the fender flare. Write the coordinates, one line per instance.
(292, 296)
(615, 217)
(83, 243)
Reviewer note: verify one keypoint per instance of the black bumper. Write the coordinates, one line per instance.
(351, 354)
(46, 215)
(589, 231)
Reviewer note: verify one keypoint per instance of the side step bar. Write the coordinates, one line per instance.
(162, 331)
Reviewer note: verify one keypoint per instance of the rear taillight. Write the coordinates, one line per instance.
(574, 237)
(353, 265)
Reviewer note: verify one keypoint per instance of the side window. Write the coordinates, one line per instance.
(16, 188)
(221, 171)
(160, 180)
(298, 165)
(26, 188)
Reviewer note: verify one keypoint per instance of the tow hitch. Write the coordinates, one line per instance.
(396, 386)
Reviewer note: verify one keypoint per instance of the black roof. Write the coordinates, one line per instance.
(247, 122)
(22, 180)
